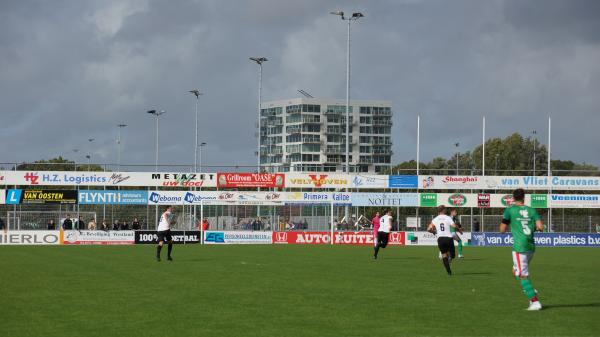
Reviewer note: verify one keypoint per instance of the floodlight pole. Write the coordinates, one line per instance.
(120, 126)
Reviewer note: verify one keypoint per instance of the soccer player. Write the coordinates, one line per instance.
(383, 234)
(164, 232)
(453, 214)
(523, 221)
(441, 225)
(376, 223)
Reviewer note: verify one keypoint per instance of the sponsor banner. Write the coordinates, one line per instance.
(538, 200)
(338, 198)
(385, 199)
(369, 181)
(267, 180)
(317, 180)
(574, 201)
(428, 239)
(99, 197)
(428, 199)
(179, 237)
(509, 182)
(166, 197)
(174, 179)
(541, 239)
(483, 200)
(98, 237)
(77, 178)
(49, 197)
(2, 197)
(237, 237)
(29, 237)
(306, 238)
(13, 196)
(457, 199)
(403, 182)
(344, 238)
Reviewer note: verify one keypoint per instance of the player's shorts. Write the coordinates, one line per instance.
(382, 239)
(456, 237)
(164, 235)
(521, 263)
(446, 245)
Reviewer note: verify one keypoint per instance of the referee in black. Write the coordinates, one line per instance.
(164, 233)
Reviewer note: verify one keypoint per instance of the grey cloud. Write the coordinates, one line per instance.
(72, 70)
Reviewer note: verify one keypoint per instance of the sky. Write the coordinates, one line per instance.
(71, 71)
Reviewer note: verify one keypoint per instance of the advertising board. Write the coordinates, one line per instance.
(541, 239)
(237, 237)
(266, 180)
(574, 201)
(317, 180)
(306, 238)
(179, 237)
(428, 239)
(71, 237)
(345, 238)
(401, 181)
(509, 182)
(29, 237)
(366, 181)
(124, 197)
(49, 197)
(385, 199)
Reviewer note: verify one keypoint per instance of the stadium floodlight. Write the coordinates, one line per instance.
(534, 132)
(259, 61)
(196, 93)
(201, 145)
(340, 13)
(156, 115)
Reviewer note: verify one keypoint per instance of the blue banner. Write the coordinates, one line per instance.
(100, 197)
(541, 239)
(403, 182)
(385, 199)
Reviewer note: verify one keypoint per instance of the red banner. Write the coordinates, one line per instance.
(340, 238)
(267, 180)
(483, 200)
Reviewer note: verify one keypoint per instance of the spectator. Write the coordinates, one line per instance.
(116, 225)
(51, 225)
(135, 225)
(475, 225)
(305, 224)
(1, 224)
(205, 224)
(125, 226)
(259, 225)
(92, 225)
(104, 225)
(80, 224)
(67, 223)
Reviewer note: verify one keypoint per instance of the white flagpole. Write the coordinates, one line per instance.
(483, 158)
(549, 171)
(418, 160)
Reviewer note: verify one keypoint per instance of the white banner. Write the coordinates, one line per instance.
(385, 199)
(428, 239)
(29, 237)
(508, 182)
(140, 179)
(573, 201)
(98, 237)
(2, 197)
(237, 237)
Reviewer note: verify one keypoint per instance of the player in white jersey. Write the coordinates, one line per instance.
(441, 225)
(383, 234)
(164, 232)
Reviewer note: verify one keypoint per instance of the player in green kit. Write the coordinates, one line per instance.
(523, 221)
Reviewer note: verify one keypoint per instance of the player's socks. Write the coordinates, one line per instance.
(447, 265)
(460, 248)
(158, 248)
(528, 289)
(376, 251)
(170, 248)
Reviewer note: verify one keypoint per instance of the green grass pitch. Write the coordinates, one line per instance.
(292, 291)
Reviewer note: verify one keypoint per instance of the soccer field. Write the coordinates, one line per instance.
(292, 290)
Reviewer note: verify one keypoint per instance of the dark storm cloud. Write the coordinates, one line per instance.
(72, 70)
